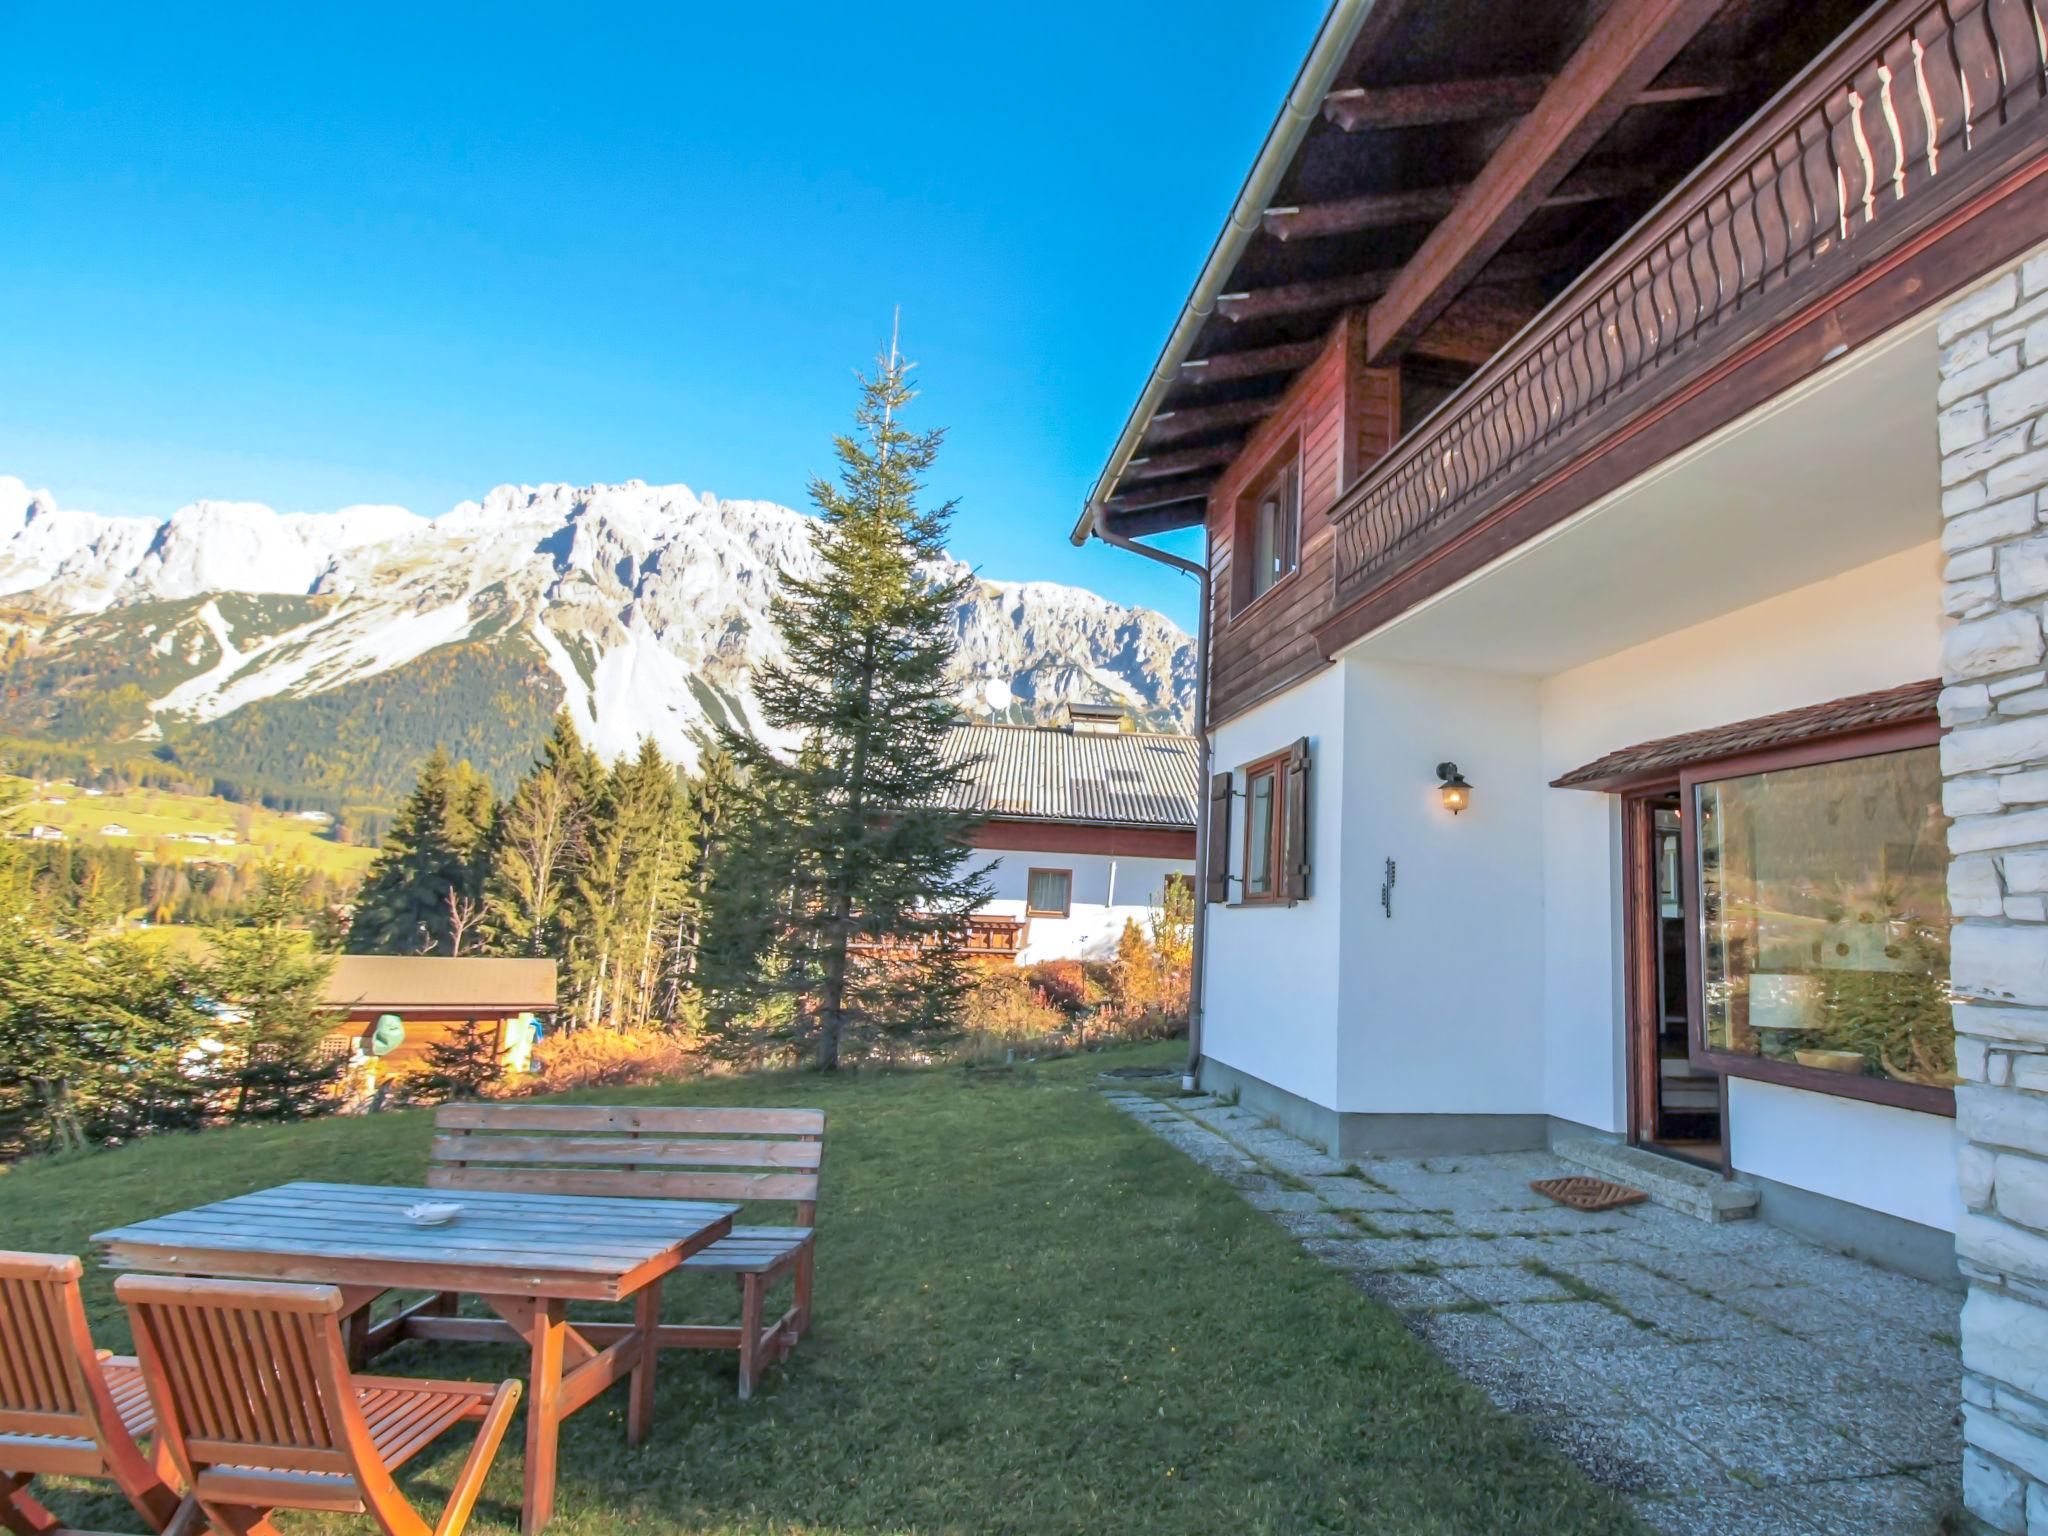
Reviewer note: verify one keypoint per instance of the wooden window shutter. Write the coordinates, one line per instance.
(1294, 825)
(1216, 878)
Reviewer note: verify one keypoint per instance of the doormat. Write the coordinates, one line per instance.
(1584, 1194)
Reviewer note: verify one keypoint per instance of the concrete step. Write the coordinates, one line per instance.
(1681, 1186)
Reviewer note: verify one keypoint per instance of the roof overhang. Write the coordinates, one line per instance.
(1653, 761)
(1440, 173)
(1298, 113)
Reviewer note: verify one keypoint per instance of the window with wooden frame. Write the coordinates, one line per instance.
(1049, 893)
(1276, 827)
(1818, 922)
(1268, 532)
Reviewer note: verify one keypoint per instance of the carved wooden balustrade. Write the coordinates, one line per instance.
(1917, 103)
(985, 939)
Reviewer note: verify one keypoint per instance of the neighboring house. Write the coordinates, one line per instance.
(1087, 822)
(1608, 439)
(43, 832)
(115, 829)
(434, 995)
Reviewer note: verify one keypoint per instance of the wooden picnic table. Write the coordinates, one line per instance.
(525, 1255)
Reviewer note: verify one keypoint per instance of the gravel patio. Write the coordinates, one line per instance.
(1728, 1379)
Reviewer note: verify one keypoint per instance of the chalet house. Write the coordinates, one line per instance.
(1619, 437)
(1087, 823)
(429, 997)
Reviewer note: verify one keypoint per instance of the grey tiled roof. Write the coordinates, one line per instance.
(1132, 779)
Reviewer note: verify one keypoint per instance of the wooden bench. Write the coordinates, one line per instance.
(661, 1153)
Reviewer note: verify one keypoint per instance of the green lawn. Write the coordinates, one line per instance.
(1033, 1316)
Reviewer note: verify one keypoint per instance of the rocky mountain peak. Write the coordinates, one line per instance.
(643, 609)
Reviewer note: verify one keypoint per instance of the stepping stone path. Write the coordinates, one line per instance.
(1730, 1379)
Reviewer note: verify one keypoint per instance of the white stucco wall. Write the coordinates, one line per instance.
(1441, 1001)
(1871, 1155)
(1270, 1008)
(1497, 985)
(1869, 628)
(1109, 890)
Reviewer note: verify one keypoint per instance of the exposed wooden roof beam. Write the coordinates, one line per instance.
(1440, 101)
(1153, 466)
(1228, 367)
(1190, 420)
(1480, 322)
(1378, 210)
(1687, 83)
(1469, 101)
(1303, 298)
(1167, 494)
(1627, 49)
(1179, 514)
(1361, 287)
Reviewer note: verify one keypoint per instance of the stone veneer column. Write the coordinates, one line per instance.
(1993, 394)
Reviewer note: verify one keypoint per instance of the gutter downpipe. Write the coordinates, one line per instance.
(1303, 106)
(1099, 526)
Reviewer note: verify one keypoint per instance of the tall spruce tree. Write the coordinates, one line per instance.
(426, 886)
(868, 640)
(272, 985)
(539, 843)
(717, 800)
(628, 893)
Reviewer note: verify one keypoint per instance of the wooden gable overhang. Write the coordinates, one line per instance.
(1577, 238)
(1465, 161)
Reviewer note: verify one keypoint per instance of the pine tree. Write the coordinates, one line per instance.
(270, 984)
(540, 841)
(463, 1061)
(629, 892)
(868, 642)
(429, 873)
(715, 797)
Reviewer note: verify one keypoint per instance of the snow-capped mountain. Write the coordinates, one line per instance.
(643, 609)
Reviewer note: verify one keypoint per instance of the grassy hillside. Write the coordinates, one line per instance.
(1033, 1316)
(153, 816)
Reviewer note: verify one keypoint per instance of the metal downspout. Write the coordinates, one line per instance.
(1200, 572)
(1298, 113)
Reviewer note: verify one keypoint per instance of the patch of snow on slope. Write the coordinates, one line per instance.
(185, 698)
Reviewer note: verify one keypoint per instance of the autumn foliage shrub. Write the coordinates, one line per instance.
(1006, 1005)
(1072, 986)
(609, 1058)
(1149, 979)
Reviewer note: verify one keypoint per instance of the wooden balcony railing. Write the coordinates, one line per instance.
(987, 938)
(1861, 152)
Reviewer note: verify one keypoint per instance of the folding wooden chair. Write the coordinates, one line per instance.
(259, 1411)
(65, 1409)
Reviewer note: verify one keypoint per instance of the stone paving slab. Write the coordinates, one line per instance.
(1731, 1379)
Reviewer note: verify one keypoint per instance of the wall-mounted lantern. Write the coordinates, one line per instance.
(1456, 792)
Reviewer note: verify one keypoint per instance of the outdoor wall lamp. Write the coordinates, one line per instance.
(1456, 792)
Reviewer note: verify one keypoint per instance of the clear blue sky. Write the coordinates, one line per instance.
(314, 256)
